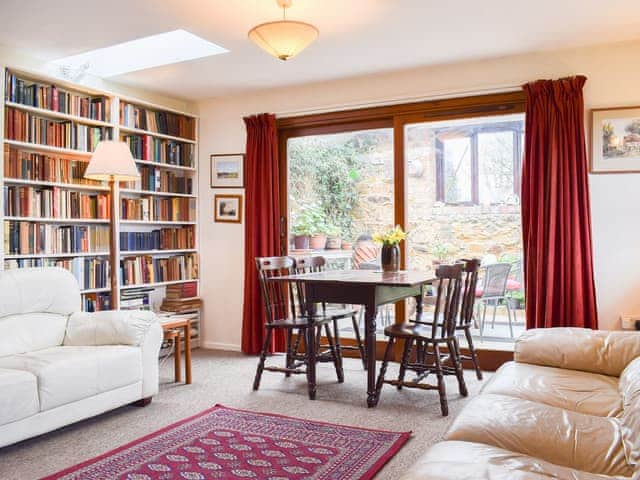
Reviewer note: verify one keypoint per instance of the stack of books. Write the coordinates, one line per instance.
(181, 298)
(135, 299)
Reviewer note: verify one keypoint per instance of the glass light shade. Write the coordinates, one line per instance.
(284, 39)
(112, 161)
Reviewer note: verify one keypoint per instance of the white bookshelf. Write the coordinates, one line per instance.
(117, 131)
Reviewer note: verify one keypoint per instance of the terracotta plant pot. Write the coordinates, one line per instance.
(347, 246)
(318, 242)
(390, 258)
(334, 243)
(301, 242)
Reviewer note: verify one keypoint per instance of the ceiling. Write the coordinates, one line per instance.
(356, 36)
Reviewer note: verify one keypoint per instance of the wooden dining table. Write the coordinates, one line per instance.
(369, 288)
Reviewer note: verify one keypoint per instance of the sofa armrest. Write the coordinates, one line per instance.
(596, 351)
(111, 327)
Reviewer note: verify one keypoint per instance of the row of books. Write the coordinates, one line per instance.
(89, 272)
(147, 269)
(167, 123)
(24, 238)
(26, 127)
(24, 165)
(135, 299)
(50, 97)
(170, 152)
(176, 209)
(161, 239)
(181, 297)
(154, 179)
(96, 302)
(53, 202)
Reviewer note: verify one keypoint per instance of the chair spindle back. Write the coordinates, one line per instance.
(277, 296)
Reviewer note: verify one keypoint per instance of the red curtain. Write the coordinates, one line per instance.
(262, 220)
(556, 217)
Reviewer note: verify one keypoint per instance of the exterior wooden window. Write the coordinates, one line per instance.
(468, 162)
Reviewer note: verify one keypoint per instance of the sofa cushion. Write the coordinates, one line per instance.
(583, 392)
(630, 418)
(67, 374)
(454, 460)
(18, 395)
(31, 331)
(570, 439)
(110, 327)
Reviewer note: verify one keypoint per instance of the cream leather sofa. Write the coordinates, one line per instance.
(59, 365)
(568, 407)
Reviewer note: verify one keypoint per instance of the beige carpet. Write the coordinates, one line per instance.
(226, 378)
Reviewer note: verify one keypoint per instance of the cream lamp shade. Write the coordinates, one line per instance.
(112, 161)
(283, 39)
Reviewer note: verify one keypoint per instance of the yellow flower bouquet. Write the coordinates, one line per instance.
(390, 237)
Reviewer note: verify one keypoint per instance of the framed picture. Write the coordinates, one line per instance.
(615, 140)
(227, 170)
(227, 208)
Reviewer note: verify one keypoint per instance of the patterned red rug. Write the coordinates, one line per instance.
(225, 443)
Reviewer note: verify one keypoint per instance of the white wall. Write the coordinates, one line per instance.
(613, 73)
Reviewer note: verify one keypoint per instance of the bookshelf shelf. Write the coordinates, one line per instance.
(56, 255)
(156, 222)
(165, 165)
(46, 148)
(156, 284)
(30, 157)
(45, 112)
(67, 186)
(139, 131)
(133, 253)
(55, 220)
(159, 194)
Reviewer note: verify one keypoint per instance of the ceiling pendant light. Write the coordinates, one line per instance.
(283, 39)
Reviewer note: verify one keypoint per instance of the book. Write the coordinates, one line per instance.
(157, 121)
(52, 97)
(154, 179)
(27, 127)
(144, 269)
(54, 202)
(159, 150)
(90, 273)
(149, 208)
(25, 237)
(181, 238)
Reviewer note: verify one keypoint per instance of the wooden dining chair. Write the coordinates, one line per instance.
(318, 264)
(428, 338)
(281, 301)
(465, 318)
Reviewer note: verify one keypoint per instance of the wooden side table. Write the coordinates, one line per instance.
(173, 330)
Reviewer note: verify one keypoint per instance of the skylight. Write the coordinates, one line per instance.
(147, 52)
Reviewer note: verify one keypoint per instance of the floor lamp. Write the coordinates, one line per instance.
(112, 162)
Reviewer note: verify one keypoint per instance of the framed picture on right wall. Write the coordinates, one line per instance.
(615, 140)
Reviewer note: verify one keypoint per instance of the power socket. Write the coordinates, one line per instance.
(630, 322)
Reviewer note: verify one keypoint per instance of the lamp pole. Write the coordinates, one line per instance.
(113, 241)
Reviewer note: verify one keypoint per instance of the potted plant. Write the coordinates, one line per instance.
(441, 253)
(334, 237)
(515, 300)
(309, 228)
(390, 254)
(301, 236)
(347, 245)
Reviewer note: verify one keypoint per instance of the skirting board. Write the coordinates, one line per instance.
(229, 347)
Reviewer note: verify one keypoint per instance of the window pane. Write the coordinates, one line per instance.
(457, 169)
(495, 167)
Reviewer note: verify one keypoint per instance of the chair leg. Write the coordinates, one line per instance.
(509, 315)
(474, 354)
(404, 361)
(356, 330)
(482, 320)
(289, 360)
(338, 344)
(263, 358)
(454, 349)
(495, 307)
(442, 389)
(383, 369)
(334, 354)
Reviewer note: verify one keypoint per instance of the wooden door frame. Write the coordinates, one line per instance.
(397, 117)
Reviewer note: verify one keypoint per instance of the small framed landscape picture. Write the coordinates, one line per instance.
(227, 170)
(615, 140)
(227, 208)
